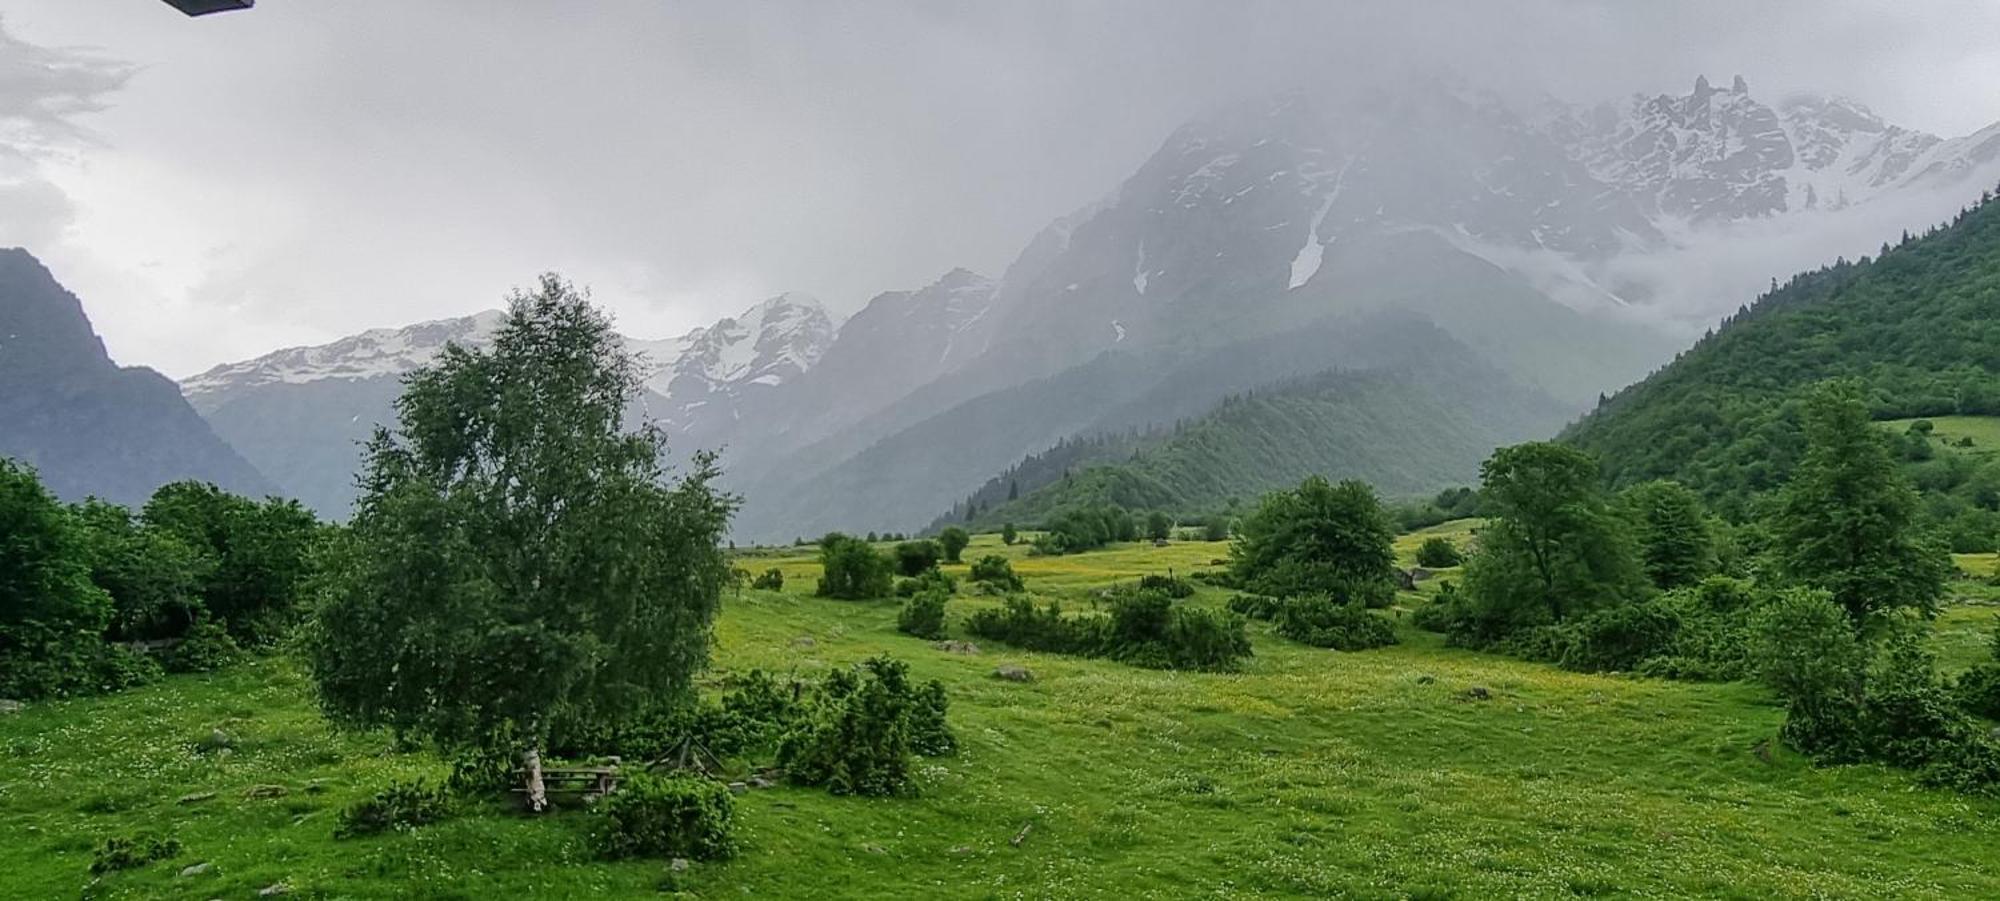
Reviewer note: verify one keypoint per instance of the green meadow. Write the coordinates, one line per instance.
(1312, 773)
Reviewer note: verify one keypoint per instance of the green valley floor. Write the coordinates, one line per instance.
(1311, 774)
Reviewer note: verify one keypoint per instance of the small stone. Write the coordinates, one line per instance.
(962, 850)
(1013, 672)
(874, 849)
(273, 890)
(1478, 693)
(217, 740)
(761, 782)
(10, 706)
(804, 642)
(256, 792)
(737, 788)
(197, 869)
(957, 647)
(679, 865)
(195, 797)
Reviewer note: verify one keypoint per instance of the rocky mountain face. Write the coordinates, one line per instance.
(1720, 154)
(87, 425)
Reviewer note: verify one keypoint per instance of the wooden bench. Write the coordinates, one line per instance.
(588, 781)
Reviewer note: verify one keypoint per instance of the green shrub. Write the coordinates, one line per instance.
(772, 579)
(1215, 530)
(929, 580)
(1255, 606)
(953, 541)
(1168, 585)
(667, 816)
(1020, 623)
(1978, 690)
(1318, 539)
(861, 729)
(206, 647)
(851, 569)
(1325, 623)
(923, 615)
(1437, 552)
(1008, 534)
(1619, 638)
(1144, 629)
(1205, 640)
(1441, 613)
(996, 571)
(930, 732)
(915, 557)
(118, 853)
(402, 806)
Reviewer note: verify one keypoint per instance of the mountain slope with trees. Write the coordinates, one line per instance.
(1407, 429)
(1918, 325)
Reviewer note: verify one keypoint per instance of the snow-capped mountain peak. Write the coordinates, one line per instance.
(370, 354)
(768, 344)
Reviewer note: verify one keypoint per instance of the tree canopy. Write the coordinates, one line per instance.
(517, 555)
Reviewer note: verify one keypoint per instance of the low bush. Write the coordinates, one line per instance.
(772, 579)
(913, 558)
(1441, 612)
(996, 571)
(401, 807)
(119, 853)
(1324, 623)
(1618, 638)
(928, 580)
(206, 647)
(861, 729)
(667, 816)
(930, 732)
(1978, 690)
(1168, 585)
(1020, 623)
(851, 569)
(923, 615)
(953, 541)
(1437, 552)
(1255, 606)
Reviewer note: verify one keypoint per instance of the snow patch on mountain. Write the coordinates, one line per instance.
(370, 354)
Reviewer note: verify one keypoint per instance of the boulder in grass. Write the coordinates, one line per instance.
(1013, 672)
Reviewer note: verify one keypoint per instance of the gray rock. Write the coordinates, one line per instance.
(274, 889)
(195, 797)
(9, 706)
(257, 792)
(197, 869)
(1013, 672)
(957, 647)
(761, 782)
(1478, 693)
(737, 788)
(874, 849)
(217, 740)
(679, 865)
(804, 642)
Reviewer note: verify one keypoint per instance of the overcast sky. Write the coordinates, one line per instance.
(215, 188)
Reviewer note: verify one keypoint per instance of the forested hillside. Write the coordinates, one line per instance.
(1411, 430)
(1919, 325)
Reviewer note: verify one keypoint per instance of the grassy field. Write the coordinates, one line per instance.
(1312, 774)
(1984, 431)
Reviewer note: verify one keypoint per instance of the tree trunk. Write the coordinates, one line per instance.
(531, 770)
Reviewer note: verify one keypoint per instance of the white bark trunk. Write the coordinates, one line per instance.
(531, 768)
